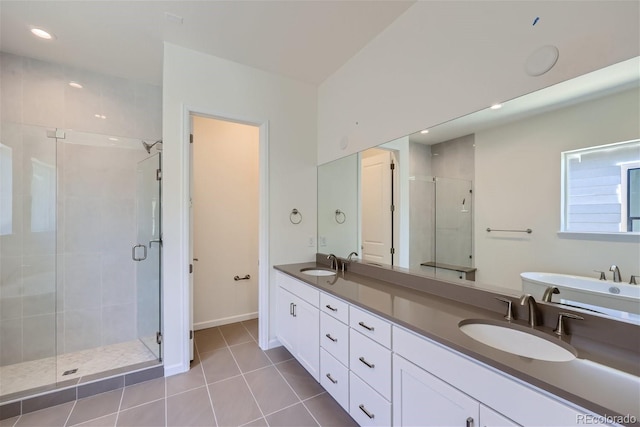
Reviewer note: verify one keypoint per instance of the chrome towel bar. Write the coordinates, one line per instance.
(246, 277)
(528, 230)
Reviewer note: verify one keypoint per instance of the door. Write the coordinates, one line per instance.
(421, 399)
(147, 252)
(377, 239)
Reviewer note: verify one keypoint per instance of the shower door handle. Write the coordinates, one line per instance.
(144, 252)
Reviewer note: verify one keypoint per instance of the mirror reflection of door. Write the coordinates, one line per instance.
(376, 178)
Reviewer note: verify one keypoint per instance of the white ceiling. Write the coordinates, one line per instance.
(305, 40)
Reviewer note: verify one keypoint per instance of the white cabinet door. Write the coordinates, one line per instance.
(307, 336)
(420, 399)
(285, 319)
(490, 418)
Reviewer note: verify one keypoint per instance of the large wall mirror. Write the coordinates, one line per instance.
(481, 198)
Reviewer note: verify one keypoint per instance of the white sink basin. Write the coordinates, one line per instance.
(317, 272)
(518, 340)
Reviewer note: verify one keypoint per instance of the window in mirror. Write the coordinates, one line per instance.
(601, 188)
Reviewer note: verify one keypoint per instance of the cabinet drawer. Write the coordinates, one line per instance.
(334, 307)
(371, 361)
(366, 406)
(299, 289)
(371, 326)
(334, 377)
(334, 337)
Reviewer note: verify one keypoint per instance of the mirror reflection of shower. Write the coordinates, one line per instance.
(148, 146)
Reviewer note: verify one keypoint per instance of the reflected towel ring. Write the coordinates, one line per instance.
(340, 214)
(294, 213)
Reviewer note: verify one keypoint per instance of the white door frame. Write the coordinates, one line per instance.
(263, 222)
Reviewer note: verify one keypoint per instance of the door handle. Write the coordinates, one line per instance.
(144, 252)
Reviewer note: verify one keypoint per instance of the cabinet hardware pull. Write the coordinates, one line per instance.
(469, 422)
(367, 413)
(371, 365)
(331, 308)
(291, 308)
(369, 328)
(331, 379)
(294, 310)
(331, 338)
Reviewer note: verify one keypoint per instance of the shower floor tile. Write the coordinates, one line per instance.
(43, 372)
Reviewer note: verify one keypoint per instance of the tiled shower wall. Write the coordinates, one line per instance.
(92, 302)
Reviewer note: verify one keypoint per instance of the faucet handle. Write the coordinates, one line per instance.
(602, 275)
(559, 330)
(509, 315)
(632, 280)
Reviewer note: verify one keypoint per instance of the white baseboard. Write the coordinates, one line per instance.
(273, 343)
(178, 368)
(224, 321)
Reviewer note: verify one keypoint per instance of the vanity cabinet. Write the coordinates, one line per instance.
(422, 399)
(298, 320)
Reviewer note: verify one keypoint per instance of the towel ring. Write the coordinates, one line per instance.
(295, 213)
(340, 214)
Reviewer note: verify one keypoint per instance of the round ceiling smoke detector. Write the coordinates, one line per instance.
(542, 60)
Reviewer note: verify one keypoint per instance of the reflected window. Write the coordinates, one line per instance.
(6, 190)
(601, 188)
(43, 196)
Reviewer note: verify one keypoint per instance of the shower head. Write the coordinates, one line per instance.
(148, 146)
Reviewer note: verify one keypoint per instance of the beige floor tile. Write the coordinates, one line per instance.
(50, 417)
(8, 422)
(192, 408)
(209, 340)
(235, 333)
(294, 416)
(299, 379)
(249, 356)
(328, 412)
(270, 390)
(219, 365)
(145, 392)
(233, 403)
(106, 421)
(189, 380)
(252, 327)
(95, 407)
(260, 422)
(278, 354)
(147, 415)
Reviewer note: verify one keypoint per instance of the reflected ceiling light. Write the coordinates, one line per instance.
(496, 106)
(99, 116)
(75, 84)
(39, 32)
(424, 131)
(113, 139)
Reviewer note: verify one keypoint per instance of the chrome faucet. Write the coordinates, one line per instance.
(548, 293)
(616, 273)
(348, 260)
(333, 260)
(533, 308)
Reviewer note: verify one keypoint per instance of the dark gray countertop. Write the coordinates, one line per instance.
(585, 381)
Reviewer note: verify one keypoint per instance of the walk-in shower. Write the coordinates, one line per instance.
(80, 250)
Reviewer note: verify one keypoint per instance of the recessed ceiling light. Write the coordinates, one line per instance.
(39, 32)
(75, 84)
(99, 116)
(424, 131)
(113, 139)
(496, 106)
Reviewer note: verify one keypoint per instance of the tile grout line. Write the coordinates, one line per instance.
(298, 396)
(243, 377)
(204, 376)
(120, 404)
(75, 402)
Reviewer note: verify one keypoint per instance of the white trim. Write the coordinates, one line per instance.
(263, 222)
(604, 237)
(175, 369)
(224, 321)
(274, 343)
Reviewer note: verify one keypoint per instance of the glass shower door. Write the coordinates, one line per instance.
(147, 252)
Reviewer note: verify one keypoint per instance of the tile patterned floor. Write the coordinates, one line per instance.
(37, 373)
(231, 383)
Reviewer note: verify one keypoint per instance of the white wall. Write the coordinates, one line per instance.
(518, 186)
(215, 86)
(441, 60)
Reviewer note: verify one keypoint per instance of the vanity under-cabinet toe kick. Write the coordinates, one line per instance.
(393, 356)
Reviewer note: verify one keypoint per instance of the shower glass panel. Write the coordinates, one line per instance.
(72, 302)
(453, 221)
(147, 252)
(27, 258)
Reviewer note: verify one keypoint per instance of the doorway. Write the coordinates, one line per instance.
(225, 221)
